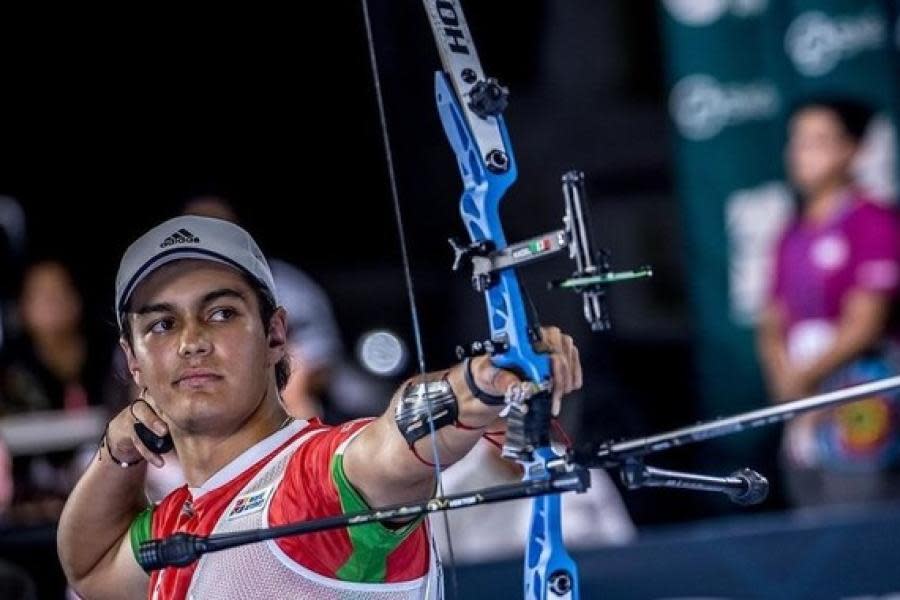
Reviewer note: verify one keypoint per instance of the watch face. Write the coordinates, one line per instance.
(382, 353)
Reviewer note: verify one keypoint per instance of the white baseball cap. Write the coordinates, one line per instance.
(195, 237)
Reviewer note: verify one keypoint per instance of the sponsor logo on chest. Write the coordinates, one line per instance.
(249, 503)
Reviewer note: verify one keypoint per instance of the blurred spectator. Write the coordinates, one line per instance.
(48, 367)
(595, 518)
(828, 319)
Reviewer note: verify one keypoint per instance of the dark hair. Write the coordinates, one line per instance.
(267, 308)
(853, 114)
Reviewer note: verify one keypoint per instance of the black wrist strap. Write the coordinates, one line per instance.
(104, 443)
(489, 399)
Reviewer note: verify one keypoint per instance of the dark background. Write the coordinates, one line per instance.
(108, 126)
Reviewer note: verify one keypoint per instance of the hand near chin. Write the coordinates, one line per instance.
(122, 437)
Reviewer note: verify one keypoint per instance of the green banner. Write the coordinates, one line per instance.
(734, 67)
(725, 107)
(847, 48)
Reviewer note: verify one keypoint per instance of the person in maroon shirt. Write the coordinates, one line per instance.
(826, 324)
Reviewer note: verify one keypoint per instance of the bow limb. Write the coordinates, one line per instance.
(487, 166)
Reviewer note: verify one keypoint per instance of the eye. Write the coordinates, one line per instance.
(161, 325)
(222, 314)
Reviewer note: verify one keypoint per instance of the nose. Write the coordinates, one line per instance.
(194, 341)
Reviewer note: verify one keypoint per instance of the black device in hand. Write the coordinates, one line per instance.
(156, 443)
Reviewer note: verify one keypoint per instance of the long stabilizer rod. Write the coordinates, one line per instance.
(612, 454)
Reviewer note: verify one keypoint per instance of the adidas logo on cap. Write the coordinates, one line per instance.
(182, 236)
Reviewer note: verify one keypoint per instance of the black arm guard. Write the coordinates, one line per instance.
(422, 403)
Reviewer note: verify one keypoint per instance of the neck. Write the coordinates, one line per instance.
(203, 455)
(824, 201)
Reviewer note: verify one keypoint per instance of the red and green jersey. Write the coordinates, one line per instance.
(296, 474)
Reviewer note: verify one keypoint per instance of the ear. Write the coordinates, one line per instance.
(277, 335)
(133, 366)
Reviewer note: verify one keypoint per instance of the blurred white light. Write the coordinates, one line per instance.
(382, 352)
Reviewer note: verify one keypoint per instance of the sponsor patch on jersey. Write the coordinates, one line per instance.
(249, 503)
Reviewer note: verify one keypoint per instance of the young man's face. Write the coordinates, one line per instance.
(200, 347)
(819, 152)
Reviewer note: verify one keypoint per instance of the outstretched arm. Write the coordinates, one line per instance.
(380, 463)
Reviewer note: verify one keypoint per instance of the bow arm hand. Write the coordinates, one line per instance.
(380, 463)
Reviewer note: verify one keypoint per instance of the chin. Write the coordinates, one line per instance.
(200, 420)
(197, 406)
